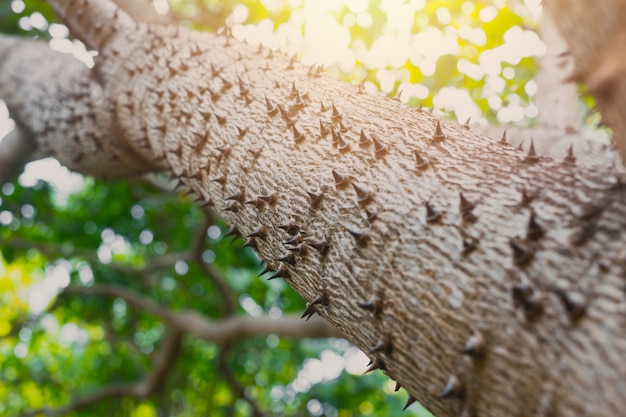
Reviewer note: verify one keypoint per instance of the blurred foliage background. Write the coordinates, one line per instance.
(60, 230)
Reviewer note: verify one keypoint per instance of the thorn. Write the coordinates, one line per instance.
(208, 203)
(527, 198)
(520, 147)
(239, 196)
(321, 246)
(533, 229)
(438, 136)
(242, 132)
(233, 207)
(580, 235)
(521, 254)
(361, 237)
(249, 243)
(409, 401)
(292, 228)
(335, 137)
(342, 128)
(420, 162)
(323, 129)
(363, 196)
(298, 103)
(281, 272)
(374, 304)
(364, 141)
(255, 153)
(524, 296)
(293, 241)
(322, 107)
(475, 346)
(397, 388)
(294, 90)
(574, 303)
(261, 233)
(290, 259)
(503, 140)
(466, 125)
(270, 199)
(342, 145)
(322, 299)
(271, 110)
(371, 215)
(256, 203)
(468, 247)
(531, 156)
(464, 204)
(316, 198)
(454, 388)
(432, 215)
(383, 345)
(265, 270)
(569, 158)
(335, 115)
(379, 148)
(302, 248)
(377, 363)
(234, 232)
(284, 113)
(341, 180)
(220, 180)
(221, 120)
(298, 136)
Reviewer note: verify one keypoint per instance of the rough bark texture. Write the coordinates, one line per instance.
(505, 301)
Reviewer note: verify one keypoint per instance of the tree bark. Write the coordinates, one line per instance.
(505, 300)
(596, 39)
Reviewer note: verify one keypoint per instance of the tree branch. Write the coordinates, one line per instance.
(595, 35)
(222, 331)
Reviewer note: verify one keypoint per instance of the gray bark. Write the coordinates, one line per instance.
(507, 301)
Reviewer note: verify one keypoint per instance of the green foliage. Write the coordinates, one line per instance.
(82, 343)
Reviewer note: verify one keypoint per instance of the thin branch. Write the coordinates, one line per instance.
(556, 99)
(126, 294)
(223, 331)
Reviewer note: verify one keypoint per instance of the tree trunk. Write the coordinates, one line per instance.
(485, 280)
(596, 38)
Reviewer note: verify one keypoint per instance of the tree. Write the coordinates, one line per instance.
(416, 238)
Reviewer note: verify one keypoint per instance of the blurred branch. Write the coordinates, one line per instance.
(556, 98)
(163, 361)
(178, 324)
(222, 331)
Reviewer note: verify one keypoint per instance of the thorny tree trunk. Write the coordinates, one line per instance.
(507, 301)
